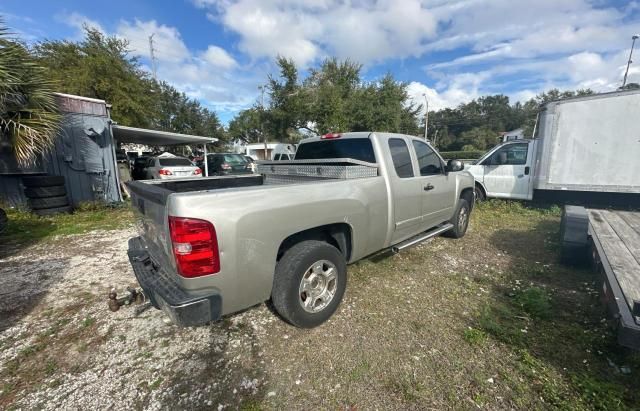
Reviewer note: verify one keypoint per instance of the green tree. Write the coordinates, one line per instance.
(29, 119)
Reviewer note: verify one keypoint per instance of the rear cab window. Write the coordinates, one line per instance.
(355, 148)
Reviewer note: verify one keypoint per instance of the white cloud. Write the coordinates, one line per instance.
(167, 42)
(218, 57)
(304, 31)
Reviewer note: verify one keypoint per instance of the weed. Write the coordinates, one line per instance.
(598, 394)
(88, 322)
(51, 367)
(154, 385)
(359, 371)
(473, 336)
(535, 301)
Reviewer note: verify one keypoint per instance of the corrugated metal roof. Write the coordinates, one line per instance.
(149, 137)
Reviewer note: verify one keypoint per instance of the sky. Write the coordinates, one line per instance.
(220, 51)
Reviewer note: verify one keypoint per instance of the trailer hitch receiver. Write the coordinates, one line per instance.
(131, 296)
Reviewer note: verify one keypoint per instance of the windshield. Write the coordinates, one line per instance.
(174, 162)
(356, 148)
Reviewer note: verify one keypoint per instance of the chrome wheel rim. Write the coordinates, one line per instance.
(462, 219)
(318, 286)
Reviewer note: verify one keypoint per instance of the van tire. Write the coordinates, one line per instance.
(460, 220)
(290, 270)
(478, 191)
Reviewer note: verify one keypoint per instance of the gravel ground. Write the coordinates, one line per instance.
(400, 340)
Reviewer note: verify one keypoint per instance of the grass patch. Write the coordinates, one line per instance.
(88, 322)
(535, 301)
(25, 227)
(474, 336)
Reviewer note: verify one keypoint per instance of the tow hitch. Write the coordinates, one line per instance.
(131, 296)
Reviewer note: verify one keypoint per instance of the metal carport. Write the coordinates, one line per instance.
(124, 134)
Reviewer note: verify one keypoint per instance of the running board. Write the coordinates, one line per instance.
(413, 241)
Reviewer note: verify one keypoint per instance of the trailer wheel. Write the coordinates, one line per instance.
(460, 220)
(309, 283)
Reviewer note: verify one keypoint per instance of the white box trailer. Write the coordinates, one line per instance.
(587, 144)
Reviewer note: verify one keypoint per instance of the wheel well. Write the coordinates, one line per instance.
(338, 235)
(481, 188)
(468, 195)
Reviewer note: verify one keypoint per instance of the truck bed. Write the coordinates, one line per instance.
(616, 241)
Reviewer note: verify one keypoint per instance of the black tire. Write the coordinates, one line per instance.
(479, 193)
(460, 227)
(45, 192)
(4, 220)
(52, 211)
(43, 181)
(49, 202)
(294, 264)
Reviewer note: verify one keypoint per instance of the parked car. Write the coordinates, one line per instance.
(221, 164)
(252, 163)
(219, 245)
(138, 168)
(282, 157)
(170, 167)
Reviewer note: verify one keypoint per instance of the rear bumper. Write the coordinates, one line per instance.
(183, 307)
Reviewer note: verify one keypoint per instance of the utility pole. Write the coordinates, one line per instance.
(426, 115)
(153, 57)
(264, 137)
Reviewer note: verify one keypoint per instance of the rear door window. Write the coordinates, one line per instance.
(401, 158)
(234, 159)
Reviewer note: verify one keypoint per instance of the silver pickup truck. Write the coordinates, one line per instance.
(209, 247)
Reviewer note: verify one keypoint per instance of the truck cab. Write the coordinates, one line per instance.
(505, 171)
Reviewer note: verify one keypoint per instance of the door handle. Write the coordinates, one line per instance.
(526, 170)
(428, 187)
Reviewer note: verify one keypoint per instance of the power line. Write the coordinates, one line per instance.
(153, 58)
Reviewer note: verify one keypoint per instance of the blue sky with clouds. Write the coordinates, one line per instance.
(219, 51)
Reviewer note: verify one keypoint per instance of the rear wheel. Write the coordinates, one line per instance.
(309, 283)
(460, 220)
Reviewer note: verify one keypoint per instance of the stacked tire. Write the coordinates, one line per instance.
(47, 195)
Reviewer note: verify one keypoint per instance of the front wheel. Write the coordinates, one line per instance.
(460, 220)
(309, 283)
(479, 193)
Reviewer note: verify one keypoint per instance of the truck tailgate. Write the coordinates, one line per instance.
(149, 203)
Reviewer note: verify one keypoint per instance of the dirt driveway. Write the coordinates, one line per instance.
(490, 321)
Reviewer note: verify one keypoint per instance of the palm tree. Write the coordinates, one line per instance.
(29, 118)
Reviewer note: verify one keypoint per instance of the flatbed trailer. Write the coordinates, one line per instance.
(611, 241)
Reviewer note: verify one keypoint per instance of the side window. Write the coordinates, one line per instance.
(428, 160)
(512, 155)
(401, 157)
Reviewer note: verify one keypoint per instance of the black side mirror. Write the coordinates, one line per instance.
(454, 165)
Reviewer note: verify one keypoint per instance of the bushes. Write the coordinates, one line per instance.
(448, 155)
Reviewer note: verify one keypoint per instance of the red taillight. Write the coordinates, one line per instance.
(195, 246)
(225, 166)
(197, 171)
(330, 136)
(165, 172)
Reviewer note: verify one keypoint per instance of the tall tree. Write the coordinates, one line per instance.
(29, 119)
